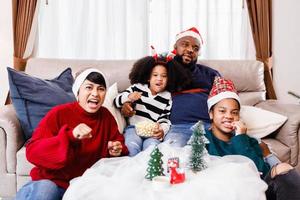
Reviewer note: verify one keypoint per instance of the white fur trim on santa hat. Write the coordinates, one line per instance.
(81, 78)
(189, 33)
(223, 95)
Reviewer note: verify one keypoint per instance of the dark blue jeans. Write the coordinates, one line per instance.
(283, 187)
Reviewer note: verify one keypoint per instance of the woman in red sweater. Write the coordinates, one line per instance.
(71, 138)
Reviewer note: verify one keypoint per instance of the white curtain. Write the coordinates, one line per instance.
(125, 29)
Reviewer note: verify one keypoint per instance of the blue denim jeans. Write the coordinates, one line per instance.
(40, 190)
(179, 134)
(135, 143)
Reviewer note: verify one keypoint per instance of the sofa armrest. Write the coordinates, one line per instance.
(11, 138)
(288, 134)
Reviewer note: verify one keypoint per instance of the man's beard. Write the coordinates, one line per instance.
(190, 65)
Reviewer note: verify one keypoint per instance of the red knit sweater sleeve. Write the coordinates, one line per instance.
(115, 135)
(51, 144)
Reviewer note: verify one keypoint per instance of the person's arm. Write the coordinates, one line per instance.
(116, 144)
(246, 146)
(123, 97)
(51, 146)
(269, 157)
(164, 118)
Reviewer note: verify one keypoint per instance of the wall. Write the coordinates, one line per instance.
(286, 48)
(6, 46)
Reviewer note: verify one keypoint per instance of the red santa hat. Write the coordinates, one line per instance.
(222, 89)
(193, 32)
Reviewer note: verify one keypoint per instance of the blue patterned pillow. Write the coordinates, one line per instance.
(33, 97)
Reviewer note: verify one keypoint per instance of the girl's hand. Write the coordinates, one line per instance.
(82, 131)
(239, 127)
(135, 96)
(158, 132)
(114, 148)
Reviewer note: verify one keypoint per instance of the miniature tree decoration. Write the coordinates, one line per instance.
(197, 163)
(155, 164)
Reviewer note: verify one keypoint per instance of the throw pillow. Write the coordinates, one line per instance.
(259, 122)
(33, 97)
(111, 94)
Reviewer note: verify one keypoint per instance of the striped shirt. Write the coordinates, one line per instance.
(154, 108)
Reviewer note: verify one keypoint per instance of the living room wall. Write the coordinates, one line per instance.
(286, 48)
(6, 44)
(286, 45)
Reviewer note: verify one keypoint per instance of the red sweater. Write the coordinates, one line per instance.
(58, 155)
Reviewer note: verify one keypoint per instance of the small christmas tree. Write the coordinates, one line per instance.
(155, 164)
(197, 163)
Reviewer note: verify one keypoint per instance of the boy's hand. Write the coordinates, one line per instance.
(82, 131)
(127, 110)
(135, 96)
(239, 127)
(114, 148)
(158, 132)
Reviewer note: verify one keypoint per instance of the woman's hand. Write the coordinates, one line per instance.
(158, 132)
(239, 127)
(127, 110)
(82, 131)
(114, 148)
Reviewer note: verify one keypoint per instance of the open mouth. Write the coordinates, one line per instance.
(93, 102)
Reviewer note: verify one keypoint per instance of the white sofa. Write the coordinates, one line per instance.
(247, 76)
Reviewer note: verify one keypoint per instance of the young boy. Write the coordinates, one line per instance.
(227, 136)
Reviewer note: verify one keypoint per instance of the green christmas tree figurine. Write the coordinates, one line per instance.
(155, 164)
(197, 163)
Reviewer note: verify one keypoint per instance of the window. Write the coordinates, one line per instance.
(125, 29)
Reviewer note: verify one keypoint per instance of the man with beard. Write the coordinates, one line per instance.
(190, 84)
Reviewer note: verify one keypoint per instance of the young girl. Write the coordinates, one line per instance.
(71, 138)
(227, 136)
(152, 101)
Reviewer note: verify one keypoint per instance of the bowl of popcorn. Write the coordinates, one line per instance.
(145, 128)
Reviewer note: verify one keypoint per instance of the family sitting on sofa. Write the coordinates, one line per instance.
(73, 136)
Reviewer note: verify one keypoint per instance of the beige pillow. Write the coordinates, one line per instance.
(259, 122)
(111, 93)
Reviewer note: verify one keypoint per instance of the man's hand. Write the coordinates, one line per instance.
(265, 149)
(127, 110)
(114, 148)
(158, 132)
(82, 131)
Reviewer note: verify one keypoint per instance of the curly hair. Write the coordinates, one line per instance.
(178, 77)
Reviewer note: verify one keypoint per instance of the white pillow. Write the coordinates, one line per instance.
(259, 122)
(111, 93)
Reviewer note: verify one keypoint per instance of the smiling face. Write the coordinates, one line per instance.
(91, 96)
(158, 79)
(223, 114)
(187, 47)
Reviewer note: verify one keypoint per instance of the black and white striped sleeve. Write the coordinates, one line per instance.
(164, 118)
(123, 97)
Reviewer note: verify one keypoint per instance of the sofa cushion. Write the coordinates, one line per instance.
(33, 97)
(111, 94)
(260, 122)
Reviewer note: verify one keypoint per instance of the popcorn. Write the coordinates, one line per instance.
(145, 128)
